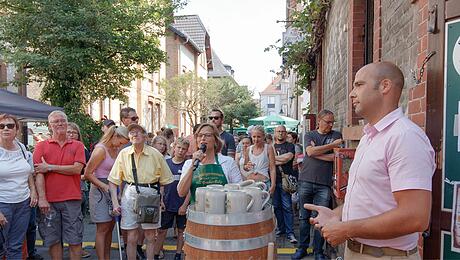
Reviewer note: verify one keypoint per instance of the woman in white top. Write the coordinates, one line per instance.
(260, 160)
(17, 189)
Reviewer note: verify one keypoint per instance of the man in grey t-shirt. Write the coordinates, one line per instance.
(315, 179)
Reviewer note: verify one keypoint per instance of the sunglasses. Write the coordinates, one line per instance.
(9, 126)
(134, 118)
(213, 117)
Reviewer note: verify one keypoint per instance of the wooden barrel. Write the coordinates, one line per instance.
(229, 236)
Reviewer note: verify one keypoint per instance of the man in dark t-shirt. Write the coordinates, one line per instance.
(216, 117)
(282, 202)
(315, 179)
(175, 207)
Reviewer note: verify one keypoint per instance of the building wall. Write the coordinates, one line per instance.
(335, 56)
(399, 39)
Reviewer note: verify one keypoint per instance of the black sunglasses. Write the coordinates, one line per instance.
(213, 117)
(9, 126)
(134, 118)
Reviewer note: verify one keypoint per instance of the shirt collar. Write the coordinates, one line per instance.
(145, 150)
(384, 122)
(68, 141)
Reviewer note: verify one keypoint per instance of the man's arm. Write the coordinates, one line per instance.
(231, 148)
(411, 215)
(73, 169)
(42, 201)
(313, 150)
(284, 158)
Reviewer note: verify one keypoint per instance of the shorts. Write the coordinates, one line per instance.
(128, 216)
(100, 204)
(167, 220)
(65, 221)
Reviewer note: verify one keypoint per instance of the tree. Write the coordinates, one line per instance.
(234, 100)
(86, 50)
(186, 93)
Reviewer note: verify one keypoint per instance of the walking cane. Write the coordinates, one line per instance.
(117, 221)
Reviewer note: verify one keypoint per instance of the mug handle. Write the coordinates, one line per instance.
(266, 199)
(250, 203)
(262, 185)
(246, 183)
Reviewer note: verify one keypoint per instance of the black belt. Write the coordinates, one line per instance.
(147, 185)
(378, 251)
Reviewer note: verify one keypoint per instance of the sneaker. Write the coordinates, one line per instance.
(85, 254)
(299, 253)
(292, 238)
(178, 256)
(162, 254)
(35, 257)
(155, 257)
(279, 233)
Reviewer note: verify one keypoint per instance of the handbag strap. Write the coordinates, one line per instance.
(133, 163)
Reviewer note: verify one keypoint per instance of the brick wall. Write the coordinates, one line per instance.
(399, 30)
(335, 56)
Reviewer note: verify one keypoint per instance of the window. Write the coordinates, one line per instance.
(271, 102)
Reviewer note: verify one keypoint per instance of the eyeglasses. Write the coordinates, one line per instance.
(9, 126)
(134, 133)
(72, 132)
(207, 135)
(328, 122)
(214, 117)
(280, 131)
(59, 121)
(134, 118)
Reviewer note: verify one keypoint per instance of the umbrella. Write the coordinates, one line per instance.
(171, 126)
(273, 120)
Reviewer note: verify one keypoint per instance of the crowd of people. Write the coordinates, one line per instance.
(389, 185)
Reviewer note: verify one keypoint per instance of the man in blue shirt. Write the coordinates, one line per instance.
(174, 206)
(216, 117)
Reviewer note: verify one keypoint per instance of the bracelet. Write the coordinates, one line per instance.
(48, 168)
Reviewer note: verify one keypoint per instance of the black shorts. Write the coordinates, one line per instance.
(167, 220)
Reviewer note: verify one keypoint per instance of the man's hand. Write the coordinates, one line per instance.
(272, 188)
(33, 199)
(3, 220)
(335, 232)
(182, 210)
(41, 167)
(43, 205)
(324, 216)
(337, 142)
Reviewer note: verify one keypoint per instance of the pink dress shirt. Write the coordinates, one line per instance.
(393, 155)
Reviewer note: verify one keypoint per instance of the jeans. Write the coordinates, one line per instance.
(17, 215)
(282, 205)
(317, 194)
(32, 231)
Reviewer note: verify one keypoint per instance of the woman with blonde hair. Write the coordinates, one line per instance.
(213, 167)
(260, 159)
(161, 144)
(97, 170)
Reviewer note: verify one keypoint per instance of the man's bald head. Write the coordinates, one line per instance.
(386, 70)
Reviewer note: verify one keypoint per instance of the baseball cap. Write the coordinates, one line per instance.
(108, 122)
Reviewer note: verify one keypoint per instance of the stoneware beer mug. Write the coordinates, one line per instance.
(215, 186)
(246, 183)
(259, 196)
(259, 184)
(231, 186)
(238, 201)
(215, 201)
(200, 198)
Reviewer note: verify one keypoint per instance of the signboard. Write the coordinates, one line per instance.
(451, 142)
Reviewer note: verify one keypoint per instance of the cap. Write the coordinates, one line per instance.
(136, 126)
(123, 131)
(108, 122)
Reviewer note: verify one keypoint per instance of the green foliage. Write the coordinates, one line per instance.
(301, 55)
(196, 97)
(90, 130)
(86, 50)
(186, 93)
(234, 100)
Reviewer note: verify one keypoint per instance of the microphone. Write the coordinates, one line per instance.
(197, 162)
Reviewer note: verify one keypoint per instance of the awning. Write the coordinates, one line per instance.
(24, 108)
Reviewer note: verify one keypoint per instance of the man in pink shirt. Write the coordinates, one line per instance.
(388, 200)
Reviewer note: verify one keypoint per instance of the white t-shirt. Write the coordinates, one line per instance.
(14, 175)
(231, 171)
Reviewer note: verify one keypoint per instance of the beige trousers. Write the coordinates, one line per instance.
(351, 255)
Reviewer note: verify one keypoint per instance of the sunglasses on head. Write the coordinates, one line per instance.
(213, 117)
(134, 118)
(9, 126)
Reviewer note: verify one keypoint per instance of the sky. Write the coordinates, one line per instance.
(240, 30)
